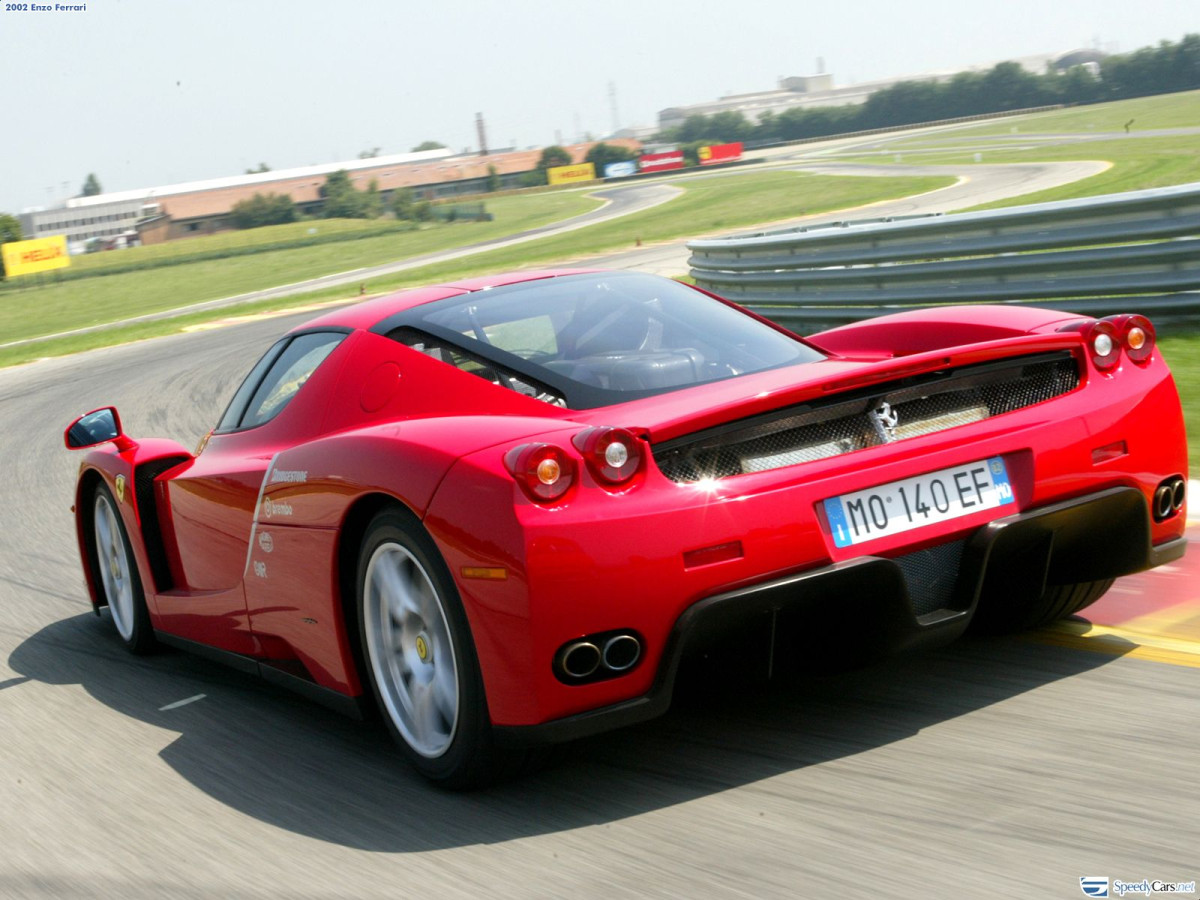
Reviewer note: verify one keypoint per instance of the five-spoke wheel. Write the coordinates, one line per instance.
(410, 650)
(117, 574)
(419, 656)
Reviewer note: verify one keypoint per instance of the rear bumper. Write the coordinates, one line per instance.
(1090, 538)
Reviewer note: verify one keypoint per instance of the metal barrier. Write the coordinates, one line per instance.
(1132, 252)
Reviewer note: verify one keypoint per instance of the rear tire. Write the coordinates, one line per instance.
(1057, 602)
(420, 659)
(116, 574)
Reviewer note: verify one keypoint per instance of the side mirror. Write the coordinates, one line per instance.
(94, 428)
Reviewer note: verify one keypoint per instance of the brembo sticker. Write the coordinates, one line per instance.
(276, 508)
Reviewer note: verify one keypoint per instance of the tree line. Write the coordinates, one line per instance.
(1164, 69)
(342, 201)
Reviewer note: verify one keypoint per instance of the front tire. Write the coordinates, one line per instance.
(419, 655)
(117, 576)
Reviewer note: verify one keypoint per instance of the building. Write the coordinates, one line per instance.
(203, 207)
(809, 91)
(81, 223)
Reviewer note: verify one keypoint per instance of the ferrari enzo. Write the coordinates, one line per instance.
(503, 511)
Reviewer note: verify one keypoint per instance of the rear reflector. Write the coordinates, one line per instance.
(717, 553)
(485, 572)
(1109, 451)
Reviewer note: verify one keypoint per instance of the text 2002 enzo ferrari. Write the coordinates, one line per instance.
(507, 508)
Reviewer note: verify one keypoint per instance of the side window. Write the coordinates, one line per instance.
(237, 406)
(287, 367)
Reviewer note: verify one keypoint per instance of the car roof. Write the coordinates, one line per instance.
(370, 312)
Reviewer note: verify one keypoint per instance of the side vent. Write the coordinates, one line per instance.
(143, 481)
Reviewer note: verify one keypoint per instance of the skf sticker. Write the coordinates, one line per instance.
(120, 486)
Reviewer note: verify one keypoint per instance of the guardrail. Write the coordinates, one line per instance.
(1132, 252)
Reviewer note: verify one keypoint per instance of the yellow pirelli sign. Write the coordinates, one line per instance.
(568, 174)
(38, 255)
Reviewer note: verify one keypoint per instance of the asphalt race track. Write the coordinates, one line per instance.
(1007, 767)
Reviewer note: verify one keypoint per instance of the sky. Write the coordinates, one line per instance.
(154, 92)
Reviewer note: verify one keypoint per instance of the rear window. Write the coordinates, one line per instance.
(590, 340)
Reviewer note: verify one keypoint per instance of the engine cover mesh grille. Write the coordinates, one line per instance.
(887, 412)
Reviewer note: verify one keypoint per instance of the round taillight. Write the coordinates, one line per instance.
(613, 455)
(1104, 345)
(548, 471)
(1138, 337)
(545, 472)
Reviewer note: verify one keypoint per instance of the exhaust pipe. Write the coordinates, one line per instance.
(1178, 495)
(622, 652)
(579, 660)
(1162, 502)
(1169, 498)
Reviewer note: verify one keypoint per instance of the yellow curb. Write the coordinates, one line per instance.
(1119, 642)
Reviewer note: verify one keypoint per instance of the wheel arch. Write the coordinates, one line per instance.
(350, 537)
(89, 479)
(138, 467)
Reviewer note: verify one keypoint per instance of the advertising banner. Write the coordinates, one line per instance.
(38, 255)
(568, 174)
(620, 169)
(720, 153)
(661, 162)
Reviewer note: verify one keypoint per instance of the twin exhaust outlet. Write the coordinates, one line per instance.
(1169, 498)
(597, 657)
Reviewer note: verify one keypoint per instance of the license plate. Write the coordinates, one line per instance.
(915, 502)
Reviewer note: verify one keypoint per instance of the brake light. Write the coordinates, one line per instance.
(1107, 337)
(613, 455)
(1137, 336)
(1104, 344)
(545, 472)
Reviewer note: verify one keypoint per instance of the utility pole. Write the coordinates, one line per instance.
(612, 102)
(483, 148)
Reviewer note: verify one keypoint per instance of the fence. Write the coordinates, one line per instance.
(1132, 252)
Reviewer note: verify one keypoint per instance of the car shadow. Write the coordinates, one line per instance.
(298, 766)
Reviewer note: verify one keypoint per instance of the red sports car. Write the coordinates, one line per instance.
(507, 508)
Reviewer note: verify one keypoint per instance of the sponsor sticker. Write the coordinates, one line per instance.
(1103, 886)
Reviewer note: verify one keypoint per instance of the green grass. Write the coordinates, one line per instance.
(1182, 353)
(1139, 160)
(1137, 164)
(715, 204)
(1180, 110)
(710, 203)
(123, 334)
(235, 242)
(55, 307)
